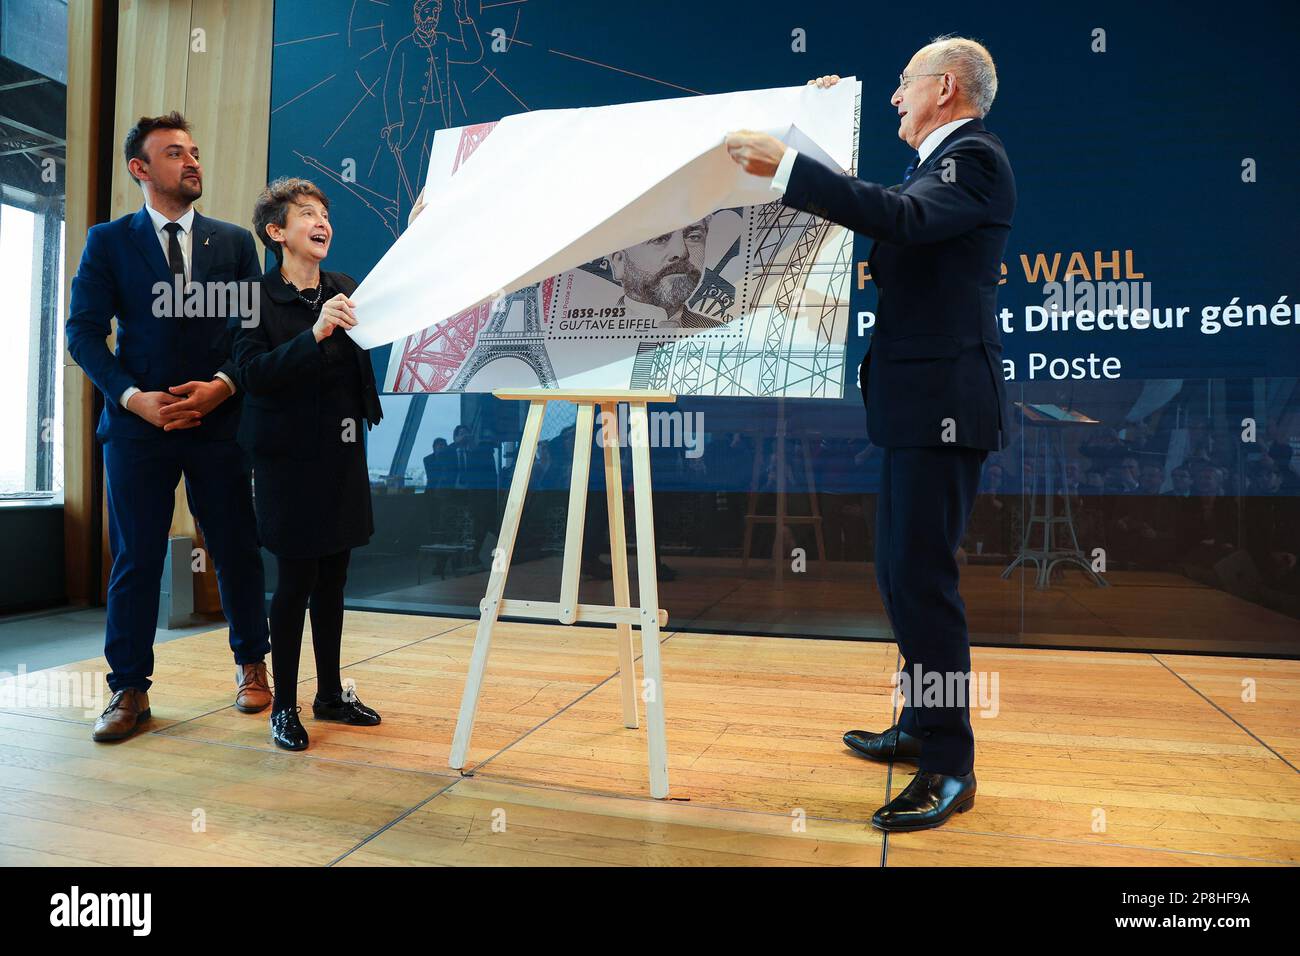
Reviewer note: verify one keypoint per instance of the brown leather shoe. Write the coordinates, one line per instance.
(127, 710)
(254, 692)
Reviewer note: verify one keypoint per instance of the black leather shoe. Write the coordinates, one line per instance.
(929, 800)
(344, 712)
(287, 731)
(888, 745)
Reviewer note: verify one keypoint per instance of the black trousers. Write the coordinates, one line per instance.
(926, 497)
(301, 582)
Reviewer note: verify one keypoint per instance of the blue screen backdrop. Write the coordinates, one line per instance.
(1152, 144)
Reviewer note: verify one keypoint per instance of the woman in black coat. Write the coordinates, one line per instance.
(308, 392)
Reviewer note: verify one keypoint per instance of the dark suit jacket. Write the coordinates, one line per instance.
(280, 364)
(439, 469)
(120, 268)
(479, 471)
(935, 352)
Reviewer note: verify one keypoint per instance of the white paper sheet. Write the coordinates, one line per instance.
(551, 189)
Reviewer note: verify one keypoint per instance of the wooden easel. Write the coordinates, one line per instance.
(649, 617)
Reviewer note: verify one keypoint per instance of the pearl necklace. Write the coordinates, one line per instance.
(311, 303)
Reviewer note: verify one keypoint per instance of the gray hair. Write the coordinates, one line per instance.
(977, 78)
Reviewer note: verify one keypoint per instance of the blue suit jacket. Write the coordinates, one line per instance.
(936, 352)
(120, 268)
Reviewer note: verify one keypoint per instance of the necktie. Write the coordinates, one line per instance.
(916, 161)
(175, 257)
(176, 260)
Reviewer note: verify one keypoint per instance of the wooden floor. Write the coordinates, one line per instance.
(1092, 758)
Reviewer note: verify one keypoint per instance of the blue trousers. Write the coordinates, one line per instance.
(141, 477)
(926, 496)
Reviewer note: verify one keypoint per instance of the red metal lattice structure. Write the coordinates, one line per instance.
(430, 359)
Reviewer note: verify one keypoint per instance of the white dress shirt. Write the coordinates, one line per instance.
(781, 178)
(160, 223)
(185, 236)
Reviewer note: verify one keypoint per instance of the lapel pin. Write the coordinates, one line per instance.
(205, 241)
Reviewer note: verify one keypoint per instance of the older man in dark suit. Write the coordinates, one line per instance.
(932, 383)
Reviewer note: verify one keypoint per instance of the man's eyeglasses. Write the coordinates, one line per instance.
(904, 79)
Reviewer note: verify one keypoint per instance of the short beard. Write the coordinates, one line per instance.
(680, 287)
(185, 191)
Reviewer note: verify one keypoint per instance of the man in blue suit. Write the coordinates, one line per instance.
(933, 387)
(170, 409)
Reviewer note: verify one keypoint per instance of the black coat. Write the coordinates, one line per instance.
(936, 351)
(281, 369)
(303, 406)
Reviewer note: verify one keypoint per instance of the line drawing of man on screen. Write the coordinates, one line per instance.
(659, 276)
(418, 83)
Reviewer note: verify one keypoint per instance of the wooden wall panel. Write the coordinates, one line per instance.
(228, 99)
(153, 54)
(85, 52)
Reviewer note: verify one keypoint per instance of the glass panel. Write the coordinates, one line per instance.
(33, 68)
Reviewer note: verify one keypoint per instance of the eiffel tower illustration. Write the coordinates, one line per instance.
(499, 340)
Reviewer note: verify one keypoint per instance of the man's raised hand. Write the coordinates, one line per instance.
(757, 153)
